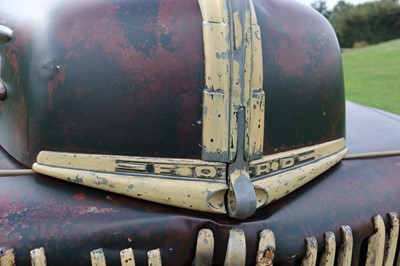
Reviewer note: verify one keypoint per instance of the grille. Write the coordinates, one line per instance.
(382, 246)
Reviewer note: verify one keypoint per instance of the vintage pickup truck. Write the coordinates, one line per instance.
(180, 132)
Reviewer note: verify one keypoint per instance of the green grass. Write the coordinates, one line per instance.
(372, 75)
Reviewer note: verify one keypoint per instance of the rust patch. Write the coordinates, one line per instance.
(79, 196)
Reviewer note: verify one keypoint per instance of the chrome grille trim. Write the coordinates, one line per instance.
(38, 257)
(328, 257)
(97, 257)
(376, 243)
(204, 248)
(236, 248)
(127, 257)
(382, 248)
(346, 250)
(7, 257)
(266, 249)
(311, 253)
(154, 257)
(391, 244)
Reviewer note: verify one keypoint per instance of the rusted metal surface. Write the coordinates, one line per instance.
(98, 76)
(101, 75)
(302, 69)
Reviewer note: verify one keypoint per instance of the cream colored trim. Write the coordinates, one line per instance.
(236, 248)
(154, 257)
(7, 258)
(311, 253)
(16, 172)
(376, 243)
(204, 248)
(266, 249)
(216, 96)
(233, 79)
(97, 257)
(328, 257)
(391, 244)
(38, 257)
(167, 180)
(371, 155)
(346, 250)
(269, 186)
(127, 257)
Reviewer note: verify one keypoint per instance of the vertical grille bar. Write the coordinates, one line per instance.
(266, 249)
(328, 257)
(154, 257)
(204, 248)
(8, 257)
(127, 257)
(346, 250)
(38, 257)
(311, 253)
(391, 244)
(236, 248)
(97, 257)
(376, 243)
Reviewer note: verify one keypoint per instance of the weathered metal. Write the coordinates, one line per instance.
(131, 78)
(98, 76)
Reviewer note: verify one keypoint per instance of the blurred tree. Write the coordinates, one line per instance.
(320, 6)
(371, 22)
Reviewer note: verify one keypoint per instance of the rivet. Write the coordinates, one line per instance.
(3, 91)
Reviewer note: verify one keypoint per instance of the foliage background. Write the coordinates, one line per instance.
(360, 25)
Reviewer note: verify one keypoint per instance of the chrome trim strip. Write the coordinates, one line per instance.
(266, 249)
(346, 250)
(236, 248)
(310, 259)
(38, 257)
(328, 256)
(166, 180)
(204, 248)
(376, 243)
(371, 155)
(233, 79)
(17, 172)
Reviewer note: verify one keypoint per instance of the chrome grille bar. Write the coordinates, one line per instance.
(311, 254)
(328, 257)
(127, 257)
(391, 244)
(8, 257)
(345, 252)
(38, 257)
(266, 249)
(204, 248)
(236, 248)
(382, 248)
(376, 243)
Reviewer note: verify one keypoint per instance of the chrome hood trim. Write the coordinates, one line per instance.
(192, 184)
